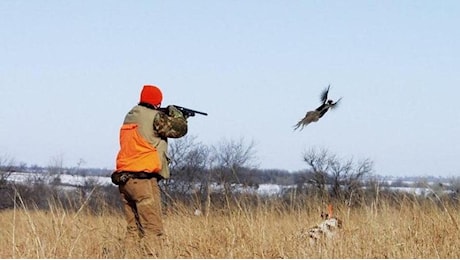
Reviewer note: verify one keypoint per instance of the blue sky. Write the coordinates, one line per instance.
(70, 70)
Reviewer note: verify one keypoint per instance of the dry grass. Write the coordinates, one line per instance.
(407, 230)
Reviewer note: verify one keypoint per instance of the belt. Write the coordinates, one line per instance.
(123, 176)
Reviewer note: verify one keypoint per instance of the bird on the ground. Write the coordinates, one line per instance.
(315, 115)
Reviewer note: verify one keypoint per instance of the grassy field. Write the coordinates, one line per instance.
(406, 230)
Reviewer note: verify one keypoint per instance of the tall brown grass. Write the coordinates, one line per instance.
(408, 228)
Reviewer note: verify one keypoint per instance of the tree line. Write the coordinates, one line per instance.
(196, 169)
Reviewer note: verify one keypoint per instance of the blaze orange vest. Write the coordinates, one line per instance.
(136, 154)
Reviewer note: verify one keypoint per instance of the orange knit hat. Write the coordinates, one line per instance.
(151, 95)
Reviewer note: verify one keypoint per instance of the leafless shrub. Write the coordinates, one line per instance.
(6, 169)
(334, 178)
(195, 167)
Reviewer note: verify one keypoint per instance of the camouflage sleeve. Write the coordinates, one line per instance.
(170, 127)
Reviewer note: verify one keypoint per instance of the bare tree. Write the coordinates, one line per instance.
(195, 166)
(231, 159)
(231, 156)
(79, 169)
(336, 178)
(6, 169)
(56, 169)
(188, 164)
(319, 162)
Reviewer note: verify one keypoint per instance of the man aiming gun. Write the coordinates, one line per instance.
(142, 162)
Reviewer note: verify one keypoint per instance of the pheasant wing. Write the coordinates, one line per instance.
(324, 94)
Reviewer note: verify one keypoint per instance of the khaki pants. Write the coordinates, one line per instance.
(142, 206)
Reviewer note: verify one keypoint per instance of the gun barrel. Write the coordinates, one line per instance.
(190, 111)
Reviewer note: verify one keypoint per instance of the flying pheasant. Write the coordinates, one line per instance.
(315, 115)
